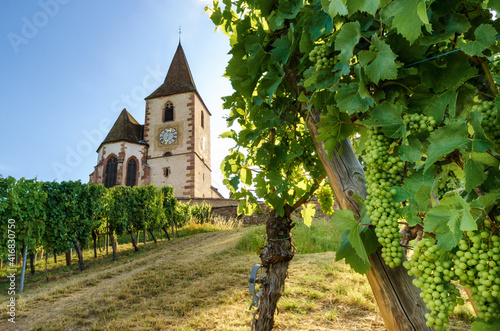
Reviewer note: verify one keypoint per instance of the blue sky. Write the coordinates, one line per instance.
(69, 66)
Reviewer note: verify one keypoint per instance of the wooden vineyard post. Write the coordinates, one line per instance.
(398, 299)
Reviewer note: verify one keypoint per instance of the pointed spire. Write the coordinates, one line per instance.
(126, 128)
(178, 79)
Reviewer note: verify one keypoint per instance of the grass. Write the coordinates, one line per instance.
(59, 270)
(320, 237)
(200, 282)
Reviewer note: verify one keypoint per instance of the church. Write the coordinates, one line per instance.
(171, 148)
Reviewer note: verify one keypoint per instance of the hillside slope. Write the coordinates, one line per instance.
(197, 283)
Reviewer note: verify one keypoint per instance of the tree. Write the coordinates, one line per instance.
(410, 82)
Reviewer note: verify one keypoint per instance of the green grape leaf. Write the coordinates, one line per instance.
(349, 99)
(308, 211)
(255, 60)
(448, 220)
(423, 197)
(381, 65)
(488, 200)
(413, 183)
(458, 23)
(494, 4)
(406, 18)
(276, 202)
(335, 7)
(485, 37)
(441, 77)
(347, 252)
(410, 214)
(334, 127)
(439, 103)
(281, 51)
(474, 174)
(347, 38)
(444, 141)
(402, 193)
(411, 152)
(370, 7)
(271, 80)
(388, 116)
(246, 176)
(343, 221)
(481, 325)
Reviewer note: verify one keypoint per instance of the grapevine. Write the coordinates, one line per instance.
(402, 89)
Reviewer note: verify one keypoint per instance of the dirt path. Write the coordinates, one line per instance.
(40, 307)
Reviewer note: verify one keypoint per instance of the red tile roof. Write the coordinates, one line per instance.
(179, 78)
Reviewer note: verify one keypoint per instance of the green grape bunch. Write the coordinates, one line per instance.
(309, 157)
(383, 171)
(490, 123)
(477, 264)
(322, 57)
(325, 198)
(419, 124)
(432, 265)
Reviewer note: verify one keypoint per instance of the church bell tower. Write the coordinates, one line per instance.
(177, 130)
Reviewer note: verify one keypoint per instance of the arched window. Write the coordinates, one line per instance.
(131, 173)
(167, 154)
(169, 112)
(202, 119)
(111, 171)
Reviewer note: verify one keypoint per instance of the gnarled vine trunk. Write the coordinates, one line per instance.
(134, 243)
(111, 237)
(398, 299)
(152, 235)
(275, 258)
(78, 250)
(32, 263)
(94, 239)
(166, 232)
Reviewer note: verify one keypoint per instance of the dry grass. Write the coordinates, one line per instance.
(197, 283)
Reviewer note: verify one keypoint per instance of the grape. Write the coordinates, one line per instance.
(476, 263)
(383, 171)
(489, 123)
(321, 55)
(432, 266)
(419, 124)
(325, 198)
(309, 157)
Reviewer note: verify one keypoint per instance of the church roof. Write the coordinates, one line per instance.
(126, 128)
(179, 78)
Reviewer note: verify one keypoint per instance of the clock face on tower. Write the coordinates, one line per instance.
(168, 136)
